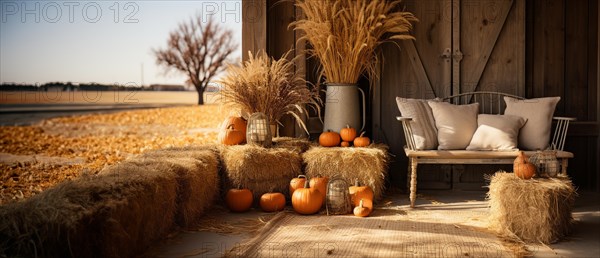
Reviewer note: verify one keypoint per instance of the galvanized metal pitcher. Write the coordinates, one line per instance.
(342, 107)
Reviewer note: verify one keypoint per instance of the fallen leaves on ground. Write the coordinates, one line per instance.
(101, 140)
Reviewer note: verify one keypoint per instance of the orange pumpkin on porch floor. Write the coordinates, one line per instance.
(271, 202)
(358, 192)
(307, 200)
(320, 183)
(361, 210)
(239, 200)
(297, 183)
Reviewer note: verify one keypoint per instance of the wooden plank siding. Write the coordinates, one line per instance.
(562, 60)
(254, 26)
(546, 48)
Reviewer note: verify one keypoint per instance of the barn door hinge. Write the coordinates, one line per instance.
(448, 55)
(457, 56)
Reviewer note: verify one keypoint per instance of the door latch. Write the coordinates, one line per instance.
(456, 56)
(447, 54)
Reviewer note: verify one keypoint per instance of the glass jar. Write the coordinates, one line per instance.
(546, 163)
(338, 197)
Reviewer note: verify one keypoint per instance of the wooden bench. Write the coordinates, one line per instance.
(489, 103)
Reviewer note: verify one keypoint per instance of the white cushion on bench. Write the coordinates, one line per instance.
(535, 135)
(423, 126)
(496, 132)
(456, 124)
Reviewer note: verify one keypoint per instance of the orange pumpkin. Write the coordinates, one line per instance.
(271, 202)
(348, 134)
(362, 141)
(329, 139)
(297, 183)
(231, 136)
(239, 200)
(522, 168)
(320, 183)
(358, 192)
(345, 144)
(238, 124)
(361, 210)
(307, 200)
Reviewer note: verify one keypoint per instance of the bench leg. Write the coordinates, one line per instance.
(564, 165)
(413, 181)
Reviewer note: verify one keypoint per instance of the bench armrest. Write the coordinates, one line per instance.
(560, 132)
(408, 132)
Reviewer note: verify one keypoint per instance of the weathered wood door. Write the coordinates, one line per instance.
(460, 46)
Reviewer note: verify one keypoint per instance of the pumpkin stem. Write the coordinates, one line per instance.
(361, 203)
(362, 134)
(306, 184)
(347, 126)
(301, 176)
(356, 183)
(230, 127)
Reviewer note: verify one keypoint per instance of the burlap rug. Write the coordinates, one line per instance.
(442, 230)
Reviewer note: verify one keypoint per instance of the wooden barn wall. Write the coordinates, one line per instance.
(562, 60)
(265, 28)
(560, 49)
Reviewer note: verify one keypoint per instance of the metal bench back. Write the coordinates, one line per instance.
(489, 102)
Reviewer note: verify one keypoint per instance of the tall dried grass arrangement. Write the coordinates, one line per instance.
(532, 210)
(273, 87)
(344, 34)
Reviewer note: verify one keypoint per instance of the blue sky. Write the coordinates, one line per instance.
(97, 41)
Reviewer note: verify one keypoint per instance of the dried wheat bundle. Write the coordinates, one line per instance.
(273, 87)
(345, 33)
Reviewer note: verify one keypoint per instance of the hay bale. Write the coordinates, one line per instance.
(94, 216)
(197, 170)
(259, 169)
(536, 210)
(300, 145)
(369, 165)
(117, 213)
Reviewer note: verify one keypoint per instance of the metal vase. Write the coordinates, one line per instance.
(342, 107)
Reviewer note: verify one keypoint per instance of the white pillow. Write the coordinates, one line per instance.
(496, 132)
(422, 123)
(455, 124)
(535, 135)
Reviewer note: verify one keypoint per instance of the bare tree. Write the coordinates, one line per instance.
(200, 50)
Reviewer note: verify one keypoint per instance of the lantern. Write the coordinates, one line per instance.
(338, 197)
(258, 130)
(545, 163)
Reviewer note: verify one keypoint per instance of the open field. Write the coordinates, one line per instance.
(36, 157)
(103, 97)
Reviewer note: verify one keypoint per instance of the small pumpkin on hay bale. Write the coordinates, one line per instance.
(259, 169)
(93, 216)
(536, 210)
(369, 165)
